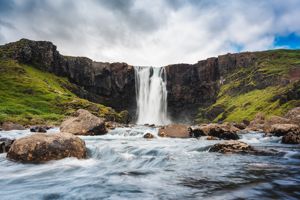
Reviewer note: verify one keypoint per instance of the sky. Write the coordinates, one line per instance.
(153, 32)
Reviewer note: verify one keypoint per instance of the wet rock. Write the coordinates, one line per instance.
(148, 136)
(224, 131)
(211, 138)
(84, 123)
(40, 147)
(5, 144)
(233, 146)
(291, 138)
(175, 131)
(40, 129)
(283, 129)
(162, 134)
(8, 126)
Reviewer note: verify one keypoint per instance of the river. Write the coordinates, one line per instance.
(124, 165)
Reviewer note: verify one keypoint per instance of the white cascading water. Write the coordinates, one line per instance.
(151, 95)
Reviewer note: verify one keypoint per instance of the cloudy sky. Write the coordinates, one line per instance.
(153, 32)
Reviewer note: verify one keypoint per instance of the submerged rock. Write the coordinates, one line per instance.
(5, 144)
(8, 126)
(39, 147)
(84, 123)
(174, 131)
(224, 131)
(148, 136)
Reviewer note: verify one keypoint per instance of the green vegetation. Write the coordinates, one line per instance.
(271, 86)
(31, 96)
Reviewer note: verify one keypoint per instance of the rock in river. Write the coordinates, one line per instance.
(233, 146)
(84, 123)
(174, 131)
(224, 131)
(148, 136)
(40, 147)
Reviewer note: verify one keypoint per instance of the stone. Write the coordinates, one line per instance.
(84, 123)
(211, 138)
(224, 131)
(291, 138)
(174, 131)
(148, 136)
(233, 146)
(41, 147)
(5, 144)
(40, 129)
(8, 126)
(283, 129)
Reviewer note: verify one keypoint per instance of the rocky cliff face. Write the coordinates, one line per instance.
(198, 85)
(109, 83)
(208, 88)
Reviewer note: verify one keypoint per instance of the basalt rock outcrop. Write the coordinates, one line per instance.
(109, 83)
(40, 147)
(190, 86)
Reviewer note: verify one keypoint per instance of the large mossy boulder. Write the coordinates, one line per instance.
(174, 131)
(84, 123)
(41, 147)
(224, 131)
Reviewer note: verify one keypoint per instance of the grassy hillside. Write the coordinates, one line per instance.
(31, 96)
(271, 86)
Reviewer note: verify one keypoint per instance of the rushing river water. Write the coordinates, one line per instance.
(124, 165)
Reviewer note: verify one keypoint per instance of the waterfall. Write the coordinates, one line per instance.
(151, 95)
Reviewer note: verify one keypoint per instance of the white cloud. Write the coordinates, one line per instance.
(150, 32)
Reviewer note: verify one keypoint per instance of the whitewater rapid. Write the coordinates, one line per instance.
(151, 95)
(124, 165)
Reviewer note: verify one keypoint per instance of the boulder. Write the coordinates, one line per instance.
(84, 123)
(233, 146)
(40, 147)
(224, 131)
(283, 129)
(148, 136)
(291, 138)
(294, 115)
(5, 144)
(40, 129)
(174, 131)
(8, 126)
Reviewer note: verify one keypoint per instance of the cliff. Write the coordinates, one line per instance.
(230, 87)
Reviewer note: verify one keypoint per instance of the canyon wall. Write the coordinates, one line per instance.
(191, 87)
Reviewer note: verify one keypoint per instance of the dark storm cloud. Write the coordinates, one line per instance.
(150, 31)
